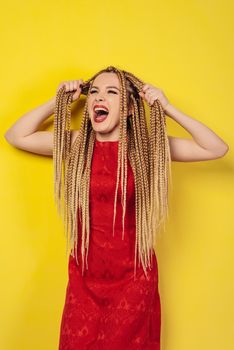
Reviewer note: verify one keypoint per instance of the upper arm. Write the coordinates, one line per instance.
(40, 142)
(187, 150)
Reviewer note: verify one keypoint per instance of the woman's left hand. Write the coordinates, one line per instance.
(150, 93)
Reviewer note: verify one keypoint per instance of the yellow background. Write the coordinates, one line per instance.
(186, 49)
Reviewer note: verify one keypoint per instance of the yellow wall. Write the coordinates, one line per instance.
(186, 49)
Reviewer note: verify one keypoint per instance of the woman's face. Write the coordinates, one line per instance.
(105, 92)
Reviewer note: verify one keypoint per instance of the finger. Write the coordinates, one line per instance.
(61, 85)
(147, 95)
(151, 101)
(155, 99)
(76, 84)
(80, 83)
(74, 96)
(145, 87)
(151, 92)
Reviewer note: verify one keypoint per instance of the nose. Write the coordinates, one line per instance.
(98, 98)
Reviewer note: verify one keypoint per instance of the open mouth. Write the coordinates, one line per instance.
(100, 115)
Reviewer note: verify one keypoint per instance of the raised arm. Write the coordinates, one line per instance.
(24, 134)
(205, 143)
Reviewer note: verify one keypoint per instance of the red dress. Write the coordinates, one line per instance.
(105, 308)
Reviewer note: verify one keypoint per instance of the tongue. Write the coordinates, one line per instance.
(101, 117)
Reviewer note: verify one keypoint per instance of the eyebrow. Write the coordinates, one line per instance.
(107, 87)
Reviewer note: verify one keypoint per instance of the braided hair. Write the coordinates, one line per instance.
(149, 156)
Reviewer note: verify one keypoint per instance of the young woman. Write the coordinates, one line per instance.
(115, 179)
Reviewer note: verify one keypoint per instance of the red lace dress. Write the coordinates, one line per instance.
(105, 308)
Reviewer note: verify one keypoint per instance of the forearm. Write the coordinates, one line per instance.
(201, 133)
(30, 121)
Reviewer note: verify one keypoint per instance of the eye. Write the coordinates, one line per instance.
(91, 92)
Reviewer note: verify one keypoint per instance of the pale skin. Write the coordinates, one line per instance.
(204, 145)
(102, 93)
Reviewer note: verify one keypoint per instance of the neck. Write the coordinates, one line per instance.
(105, 137)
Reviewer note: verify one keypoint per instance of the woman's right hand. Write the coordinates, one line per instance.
(72, 85)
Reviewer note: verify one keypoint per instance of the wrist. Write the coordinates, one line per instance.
(168, 109)
(52, 100)
(50, 105)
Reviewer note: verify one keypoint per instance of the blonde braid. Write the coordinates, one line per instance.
(132, 157)
(140, 189)
(160, 160)
(149, 156)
